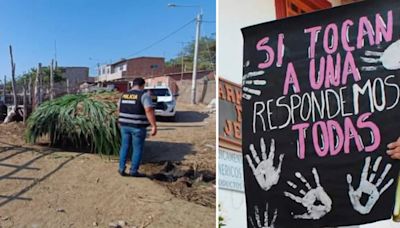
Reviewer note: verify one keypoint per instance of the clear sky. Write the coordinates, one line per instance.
(87, 32)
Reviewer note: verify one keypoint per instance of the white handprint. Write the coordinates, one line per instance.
(390, 58)
(265, 172)
(258, 223)
(310, 199)
(248, 80)
(367, 186)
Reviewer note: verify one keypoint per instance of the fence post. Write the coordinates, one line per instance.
(13, 83)
(68, 86)
(41, 90)
(4, 89)
(30, 90)
(52, 80)
(11, 114)
(37, 86)
(25, 114)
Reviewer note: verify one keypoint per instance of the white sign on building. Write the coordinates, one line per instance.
(230, 170)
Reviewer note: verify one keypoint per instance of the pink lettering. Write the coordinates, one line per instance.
(332, 71)
(384, 31)
(350, 133)
(291, 78)
(345, 35)
(316, 83)
(261, 46)
(313, 39)
(365, 28)
(321, 151)
(330, 46)
(349, 67)
(301, 151)
(376, 136)
(335, 126)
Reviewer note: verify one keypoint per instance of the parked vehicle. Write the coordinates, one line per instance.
(165, 104)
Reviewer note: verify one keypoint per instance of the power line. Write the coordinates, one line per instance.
(160, 40)
(164, 38)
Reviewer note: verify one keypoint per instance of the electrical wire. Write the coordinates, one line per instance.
(158, 41)
(162, 39)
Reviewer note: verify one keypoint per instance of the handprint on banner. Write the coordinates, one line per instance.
(248, 80)
(367, 187)
(390, 58)
(258, 223)
(316, 200)
(265, 173)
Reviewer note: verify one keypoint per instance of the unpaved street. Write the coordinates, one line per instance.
(49, 187)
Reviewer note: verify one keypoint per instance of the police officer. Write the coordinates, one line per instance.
(136, 113)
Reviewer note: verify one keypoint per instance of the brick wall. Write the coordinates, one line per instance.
(163, 81)
(76, 75)
(188, 75)
(142, 67)
(205, 91)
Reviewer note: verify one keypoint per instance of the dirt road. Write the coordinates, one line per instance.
(47, 187)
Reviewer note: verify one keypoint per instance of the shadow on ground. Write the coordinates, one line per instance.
(15, 150)
(158, 151)
(190, 116)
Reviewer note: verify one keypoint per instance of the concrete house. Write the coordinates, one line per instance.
(75, 75)
(128, 69)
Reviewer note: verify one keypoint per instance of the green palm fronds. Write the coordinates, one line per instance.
(77, 121)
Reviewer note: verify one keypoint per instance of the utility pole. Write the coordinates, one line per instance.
(196, 52)
(181, 67)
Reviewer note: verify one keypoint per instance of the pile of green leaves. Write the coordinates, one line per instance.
(76, 121)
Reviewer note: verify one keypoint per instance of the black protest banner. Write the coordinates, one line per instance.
(320, 103)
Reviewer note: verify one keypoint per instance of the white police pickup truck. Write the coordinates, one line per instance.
(165, 105)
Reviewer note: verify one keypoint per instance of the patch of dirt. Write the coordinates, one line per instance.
(48, 187)
(13, 132)
(184, 182)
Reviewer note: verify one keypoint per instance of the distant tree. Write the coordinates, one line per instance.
(32, 74)
(46, 75)
(206, 56)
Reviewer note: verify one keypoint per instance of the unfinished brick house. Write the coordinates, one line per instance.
(128, 69)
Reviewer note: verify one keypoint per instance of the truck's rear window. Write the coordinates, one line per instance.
(159, 92)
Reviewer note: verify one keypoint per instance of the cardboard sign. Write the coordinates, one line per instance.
(230, 114)
(321, 98)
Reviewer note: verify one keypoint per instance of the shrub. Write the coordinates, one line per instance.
(78, 121)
